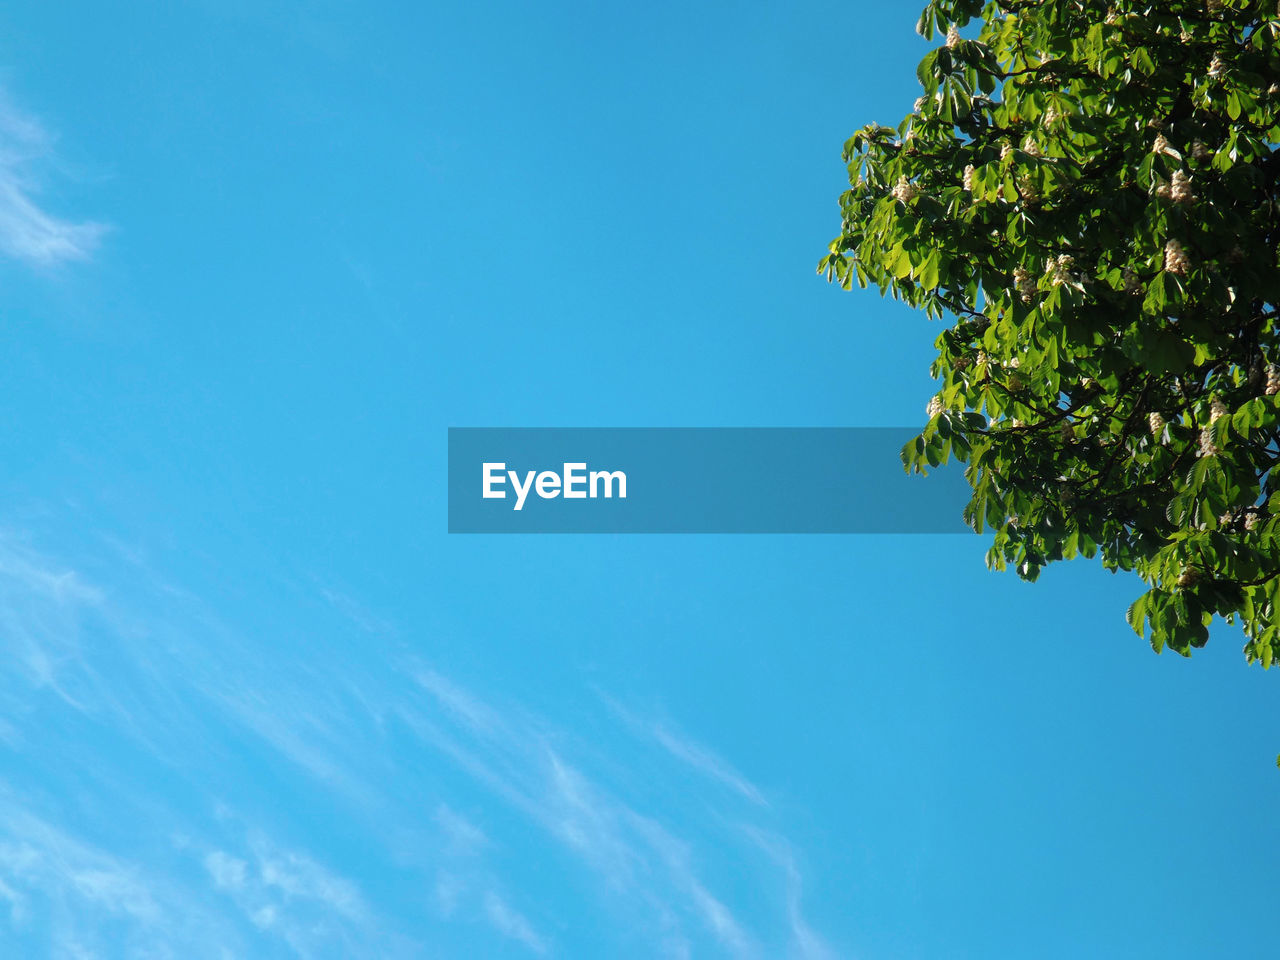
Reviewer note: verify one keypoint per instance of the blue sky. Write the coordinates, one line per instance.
(257, 257)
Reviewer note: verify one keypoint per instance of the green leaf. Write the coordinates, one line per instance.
(928, 275)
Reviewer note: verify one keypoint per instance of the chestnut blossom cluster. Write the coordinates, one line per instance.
(1248, 518)
(1024, 284)
(1059, 269)
(1180, 188)
(1273, 380)
(904, 190)
(1207, 447)
(1176, 260)
(1156, 423)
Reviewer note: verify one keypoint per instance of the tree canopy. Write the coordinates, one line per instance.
(1088, 195)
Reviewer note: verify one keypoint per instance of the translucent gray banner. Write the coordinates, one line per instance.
(695, 480)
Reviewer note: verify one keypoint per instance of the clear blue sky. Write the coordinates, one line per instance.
(254, 702)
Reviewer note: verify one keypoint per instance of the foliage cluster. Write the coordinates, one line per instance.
(1089, 195)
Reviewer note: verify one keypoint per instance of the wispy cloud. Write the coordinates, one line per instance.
(461, 835)
(511, 924)
(465, 880)
(29, 232)
(806, 943)
(700, 758)
(647, 867)
(287, 894)
(382, 740)
(708, 763)
(82, 900)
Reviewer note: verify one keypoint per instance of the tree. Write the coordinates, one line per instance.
(1089, 194)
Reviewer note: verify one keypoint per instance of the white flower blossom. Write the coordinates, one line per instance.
(1031, 148)
(1005, 150)
(1156, 423)
(1180, 189)
(904, 190)
(1216, 67)
(1200, 151)
(1273, 380)
(968, 178)
(1024, 284)
(1027, 189)
(918, 104)
(1163, 190)
(1059, 269)
(934, 407)
(1052, 115)
(1251, 520)
(1217, 409)
(1161, 144)
(1213, 7)
(1188, 577)
(953, 36)
(1176, 260)
(1207, 447)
